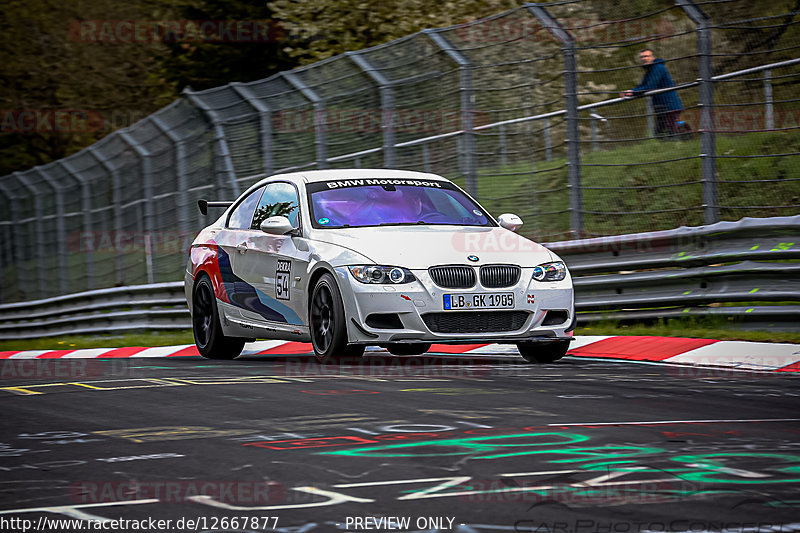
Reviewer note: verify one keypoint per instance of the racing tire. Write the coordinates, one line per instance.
(408, 349)
(329, 323)
(208, 336)
(543, 352)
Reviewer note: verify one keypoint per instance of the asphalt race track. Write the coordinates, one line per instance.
(280, 443)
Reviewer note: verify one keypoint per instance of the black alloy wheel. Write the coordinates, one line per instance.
(329, 323)
(208, 335)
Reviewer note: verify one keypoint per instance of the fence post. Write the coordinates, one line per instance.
(319, 116)
(40, 231)
(769, 116)
(387, 106)
(180, 168)
(144, 156)
(60, 229)
(265, 122)
(220, 142)
(573, 119)
(502, 146)
(6, 256)
(14, 247)
(651, 125)
(426, 158)
(708, 141)
(460, 150)
(116, 197)
(467, 108)
(548, 143)
(86, 208)
(147, 185)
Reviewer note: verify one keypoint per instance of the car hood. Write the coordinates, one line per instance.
(419, 247)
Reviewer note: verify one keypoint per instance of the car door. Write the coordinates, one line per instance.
(232, 246)
(275, 265)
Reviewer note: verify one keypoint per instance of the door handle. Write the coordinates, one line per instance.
(242, 248)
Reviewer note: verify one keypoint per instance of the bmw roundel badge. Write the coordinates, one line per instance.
(473, 258)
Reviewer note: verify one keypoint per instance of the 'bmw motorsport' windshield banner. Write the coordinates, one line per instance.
(391, 201)
(337, 184)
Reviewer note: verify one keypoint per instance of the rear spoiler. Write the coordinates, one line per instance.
(205, 204)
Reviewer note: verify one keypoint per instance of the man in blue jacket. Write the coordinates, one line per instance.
(666, 105)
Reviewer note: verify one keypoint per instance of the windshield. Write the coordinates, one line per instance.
(380, 202)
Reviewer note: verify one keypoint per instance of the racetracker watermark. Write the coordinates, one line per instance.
(390, 367)
(725, 366)
(578, 494)
(154, 242)
(175, 31)
(744, 119)
(237, 492)
(375, 120)
(589, 30)
(475, 243)
(29, 121)
(63, 369)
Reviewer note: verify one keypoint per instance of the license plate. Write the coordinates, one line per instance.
(503, 300)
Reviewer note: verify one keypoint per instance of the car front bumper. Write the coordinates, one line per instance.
(542, 311)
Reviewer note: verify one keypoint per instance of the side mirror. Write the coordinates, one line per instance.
(276, 225)
(510, 221)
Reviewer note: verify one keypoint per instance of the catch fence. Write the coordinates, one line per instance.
(521, 109)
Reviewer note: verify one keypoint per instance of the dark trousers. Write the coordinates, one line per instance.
(667, 122)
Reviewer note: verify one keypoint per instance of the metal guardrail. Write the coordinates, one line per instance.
(688, 271)
(691, 271)
(159, 306)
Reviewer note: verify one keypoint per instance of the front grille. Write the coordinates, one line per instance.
(497, 276)
(453, 277)
(475, 321)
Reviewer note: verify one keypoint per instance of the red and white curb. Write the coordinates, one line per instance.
(760, 356)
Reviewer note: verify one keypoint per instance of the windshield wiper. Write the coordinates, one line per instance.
(418, 222)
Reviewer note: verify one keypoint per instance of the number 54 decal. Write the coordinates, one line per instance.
(283, 275)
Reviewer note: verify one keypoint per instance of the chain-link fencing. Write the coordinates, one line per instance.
(522, 109)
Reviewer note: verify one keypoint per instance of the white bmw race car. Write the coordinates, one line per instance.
(350, 258)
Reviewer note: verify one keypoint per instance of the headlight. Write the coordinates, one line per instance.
(381, 274)
(550, 271)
